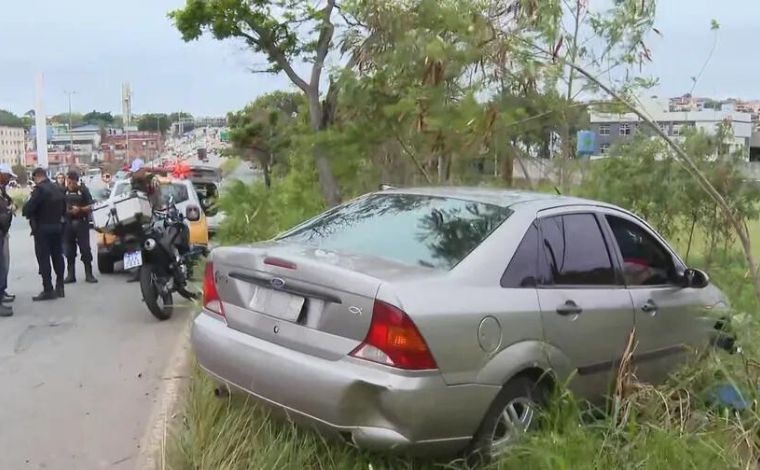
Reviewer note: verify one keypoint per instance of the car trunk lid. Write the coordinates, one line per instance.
(304, 298)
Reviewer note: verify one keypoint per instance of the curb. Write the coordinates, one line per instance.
(174, 378)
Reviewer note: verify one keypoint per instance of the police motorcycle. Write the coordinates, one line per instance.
(158, 244)
(167, 259)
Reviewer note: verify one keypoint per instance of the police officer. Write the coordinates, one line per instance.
(45, 210)
(76, 228)
(6, 218)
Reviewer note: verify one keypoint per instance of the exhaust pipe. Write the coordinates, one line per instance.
(221, 391)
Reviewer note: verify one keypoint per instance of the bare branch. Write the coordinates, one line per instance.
(415, 160)
(323, 43)
(274, 53)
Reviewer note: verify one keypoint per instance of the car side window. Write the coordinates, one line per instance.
(522, 269)
(645, 261)
(575, 252)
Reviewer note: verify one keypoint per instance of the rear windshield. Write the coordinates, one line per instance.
(429, 231)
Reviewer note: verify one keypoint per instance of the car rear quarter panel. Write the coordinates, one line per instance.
(459, 312)
(452, 319)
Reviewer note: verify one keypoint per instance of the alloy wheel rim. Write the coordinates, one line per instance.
(514, 420)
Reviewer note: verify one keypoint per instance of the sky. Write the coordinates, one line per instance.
(92, 46)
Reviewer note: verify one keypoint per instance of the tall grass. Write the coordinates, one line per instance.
(233, 433)
(671, 426)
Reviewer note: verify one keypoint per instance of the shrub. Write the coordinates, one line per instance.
(255, 213)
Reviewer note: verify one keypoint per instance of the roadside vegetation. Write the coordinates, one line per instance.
(471, 92)
(229, 165)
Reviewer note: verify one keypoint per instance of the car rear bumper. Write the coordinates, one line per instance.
(372, 406)
(116, 248)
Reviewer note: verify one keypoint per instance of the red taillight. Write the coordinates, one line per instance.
(211, 299)
(393, 340)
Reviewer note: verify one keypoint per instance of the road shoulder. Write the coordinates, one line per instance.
(174, 380)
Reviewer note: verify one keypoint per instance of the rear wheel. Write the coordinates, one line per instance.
(513, 413)
(160, 304)
(105, 263)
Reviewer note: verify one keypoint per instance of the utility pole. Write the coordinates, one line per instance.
(71, 134)
(160, 135)
(126, 98)
(41, 122)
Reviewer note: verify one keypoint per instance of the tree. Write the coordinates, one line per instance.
(22, 175)
(288, 32)
(264, 129)
(98, 118)
(76, 119)
(174, 117)
(9, 119)
(624, 30)
(154, 122)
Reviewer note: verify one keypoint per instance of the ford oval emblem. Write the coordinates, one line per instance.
(277, 283)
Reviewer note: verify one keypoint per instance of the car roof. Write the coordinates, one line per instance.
(512, 198)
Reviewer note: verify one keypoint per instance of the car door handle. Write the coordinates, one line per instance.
(649, 307)
(569, 308)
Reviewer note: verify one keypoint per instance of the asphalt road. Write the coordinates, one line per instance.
(79, 375)
(243, 173)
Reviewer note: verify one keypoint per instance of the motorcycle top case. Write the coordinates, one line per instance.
(121, 212)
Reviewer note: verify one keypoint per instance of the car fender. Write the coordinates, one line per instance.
(522, 356)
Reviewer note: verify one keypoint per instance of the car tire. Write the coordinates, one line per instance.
(520, 398)
(105, 264)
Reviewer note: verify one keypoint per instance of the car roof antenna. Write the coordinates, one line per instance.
(556, 189)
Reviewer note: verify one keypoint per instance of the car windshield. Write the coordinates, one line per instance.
(429, 231)
(168, 190)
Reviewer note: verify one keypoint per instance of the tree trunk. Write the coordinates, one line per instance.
(267, 177)
(327, 181)
(507, 167)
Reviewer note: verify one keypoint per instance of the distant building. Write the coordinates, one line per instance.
(12, 145)
(610, 128)
(145, 145)
(56, 160)
(83, 142)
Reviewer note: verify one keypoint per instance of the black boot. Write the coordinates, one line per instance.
(88, 274)
(71, 276)
(6, 311)
(47, 294)
(59, 292)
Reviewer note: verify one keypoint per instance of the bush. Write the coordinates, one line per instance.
(644, 177)
(229, 165)
(255, 213)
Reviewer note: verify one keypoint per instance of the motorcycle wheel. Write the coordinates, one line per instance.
(160, 305)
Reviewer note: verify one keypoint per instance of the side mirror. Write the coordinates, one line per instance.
(193, 213)
(695, 278)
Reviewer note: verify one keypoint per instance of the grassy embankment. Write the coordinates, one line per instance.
(671, 426)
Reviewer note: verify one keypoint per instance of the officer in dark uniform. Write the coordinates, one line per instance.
(45, 210)
(76, 228)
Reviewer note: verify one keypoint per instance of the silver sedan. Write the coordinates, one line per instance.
(433, 321)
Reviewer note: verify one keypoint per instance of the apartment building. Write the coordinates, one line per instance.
(12, 145)
(609, 128)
